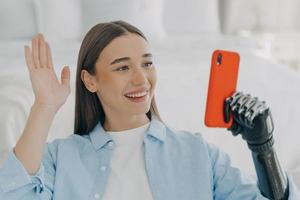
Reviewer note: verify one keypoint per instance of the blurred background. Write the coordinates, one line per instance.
(182, 35)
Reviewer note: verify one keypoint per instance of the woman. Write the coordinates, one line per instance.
(121, 149)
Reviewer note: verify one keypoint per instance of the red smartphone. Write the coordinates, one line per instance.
(222, 84)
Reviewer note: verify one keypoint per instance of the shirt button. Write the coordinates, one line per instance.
(103, 168)
(97, 196)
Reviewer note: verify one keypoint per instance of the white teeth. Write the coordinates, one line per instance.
(137, 94)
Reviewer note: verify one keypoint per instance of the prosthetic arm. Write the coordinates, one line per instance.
(253, 120)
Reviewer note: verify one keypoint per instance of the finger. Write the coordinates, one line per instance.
(226, 111)
(235, 129)
(28, 58)
(35, 51)
(43, 52)
(65, 76)
(49, 56)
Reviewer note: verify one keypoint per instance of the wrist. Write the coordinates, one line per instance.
(262, 147)
(45, 107)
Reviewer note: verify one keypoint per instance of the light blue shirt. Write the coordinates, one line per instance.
(180, 165)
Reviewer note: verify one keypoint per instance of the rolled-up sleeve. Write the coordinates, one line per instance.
(17, 183)
(231, 183)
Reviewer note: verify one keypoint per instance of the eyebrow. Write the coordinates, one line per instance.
(128, 58)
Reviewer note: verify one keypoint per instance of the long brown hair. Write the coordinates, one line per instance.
(88, 108)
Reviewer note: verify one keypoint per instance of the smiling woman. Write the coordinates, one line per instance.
(120, 149)
(114, 60)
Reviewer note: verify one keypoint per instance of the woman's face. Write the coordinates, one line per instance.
(123, 67)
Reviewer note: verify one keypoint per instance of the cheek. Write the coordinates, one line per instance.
(112, 90)
(109, 86)
(111, 94)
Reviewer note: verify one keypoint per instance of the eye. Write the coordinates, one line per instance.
(122, 68)
(148, 64)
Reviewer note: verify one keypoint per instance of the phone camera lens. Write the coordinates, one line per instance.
(219, 59)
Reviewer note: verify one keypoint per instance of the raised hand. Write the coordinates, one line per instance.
(47, 89)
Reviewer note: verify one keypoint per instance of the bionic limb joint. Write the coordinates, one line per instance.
(253, 120)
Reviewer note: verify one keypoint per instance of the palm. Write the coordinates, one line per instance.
(47, 89)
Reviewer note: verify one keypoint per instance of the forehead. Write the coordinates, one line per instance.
(129, 45)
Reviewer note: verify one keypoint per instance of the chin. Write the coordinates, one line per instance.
(140, 110)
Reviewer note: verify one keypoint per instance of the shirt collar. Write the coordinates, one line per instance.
(157, 129)
(99, 137)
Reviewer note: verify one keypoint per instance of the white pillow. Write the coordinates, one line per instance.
(17, 19)
(145, 15)
(191, 17)
(59, 19)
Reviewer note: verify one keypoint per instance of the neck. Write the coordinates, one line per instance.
(125, 123)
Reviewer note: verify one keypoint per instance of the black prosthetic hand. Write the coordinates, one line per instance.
(253, 120)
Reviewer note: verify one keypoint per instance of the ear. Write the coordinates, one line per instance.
(89, 81)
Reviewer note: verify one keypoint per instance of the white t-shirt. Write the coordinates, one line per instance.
(128, 178)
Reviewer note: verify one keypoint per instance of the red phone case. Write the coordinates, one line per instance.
(222, 84)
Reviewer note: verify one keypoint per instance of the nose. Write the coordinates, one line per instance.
(139, 77)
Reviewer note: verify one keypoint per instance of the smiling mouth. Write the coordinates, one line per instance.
(136, 95)
(138, 98)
